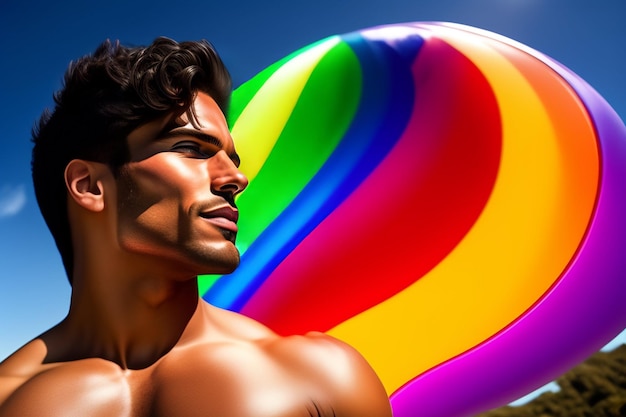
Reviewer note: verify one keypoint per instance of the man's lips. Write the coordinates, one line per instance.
(224, 217)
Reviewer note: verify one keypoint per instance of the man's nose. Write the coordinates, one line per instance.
(225, 176)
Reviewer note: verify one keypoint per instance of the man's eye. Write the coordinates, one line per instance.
(189, 147)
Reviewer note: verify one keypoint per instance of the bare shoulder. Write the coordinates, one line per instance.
(330, 369)
(21, 366)
(29, 386)
(336, 371)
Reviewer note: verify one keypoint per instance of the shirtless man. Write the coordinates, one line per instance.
(135, 173)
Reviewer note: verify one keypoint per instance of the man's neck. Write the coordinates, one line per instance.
(130, 319)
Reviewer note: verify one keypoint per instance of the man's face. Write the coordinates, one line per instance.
(176, 195)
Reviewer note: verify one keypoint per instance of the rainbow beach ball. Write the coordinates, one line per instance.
(446, 200)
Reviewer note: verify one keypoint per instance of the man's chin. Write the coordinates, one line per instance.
(229, 269)
(221, 266)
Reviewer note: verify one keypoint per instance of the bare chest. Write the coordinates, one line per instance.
(185, 387)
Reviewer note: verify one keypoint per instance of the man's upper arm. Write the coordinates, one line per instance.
(354, 387)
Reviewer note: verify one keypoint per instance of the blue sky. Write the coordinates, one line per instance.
(38, 39)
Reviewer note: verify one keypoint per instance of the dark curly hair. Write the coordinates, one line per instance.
(107, 95)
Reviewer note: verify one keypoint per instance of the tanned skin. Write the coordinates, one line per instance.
(138, 340)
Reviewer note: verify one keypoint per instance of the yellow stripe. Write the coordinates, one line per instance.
(515, 251)
(260, 124)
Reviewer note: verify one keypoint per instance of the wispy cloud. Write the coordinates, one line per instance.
(12, 200)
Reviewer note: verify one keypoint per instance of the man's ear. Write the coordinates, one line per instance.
(84, 183)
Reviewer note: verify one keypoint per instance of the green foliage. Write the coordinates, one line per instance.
(595, 388)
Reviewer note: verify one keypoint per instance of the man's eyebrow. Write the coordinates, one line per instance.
(183, 131)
